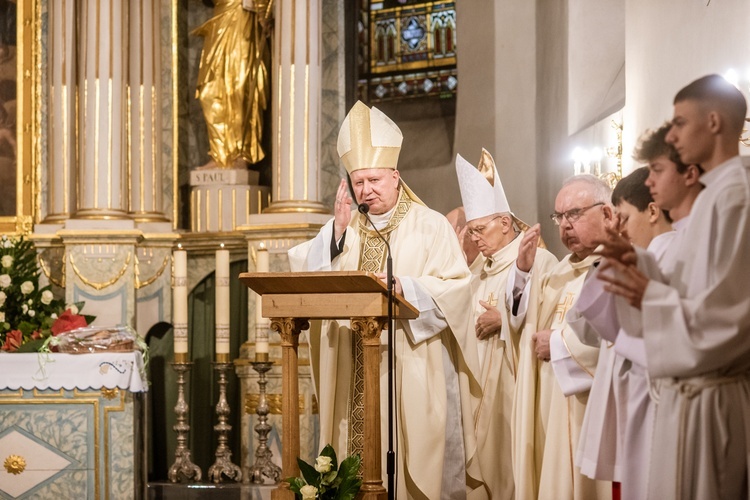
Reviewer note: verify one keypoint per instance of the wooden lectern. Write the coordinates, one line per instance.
(290, 300)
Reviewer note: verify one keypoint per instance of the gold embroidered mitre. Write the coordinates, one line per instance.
(368, 139)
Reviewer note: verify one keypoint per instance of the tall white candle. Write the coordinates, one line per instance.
(222, 305)
(179, 305)
(261, 332)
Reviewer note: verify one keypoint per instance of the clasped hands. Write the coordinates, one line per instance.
(619, 255)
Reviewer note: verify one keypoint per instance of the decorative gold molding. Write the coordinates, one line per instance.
(48, 274)
(15, 464)
(110, 394)
(101, 285)
(140, 284)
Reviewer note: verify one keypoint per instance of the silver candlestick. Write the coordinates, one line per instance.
(223, 463)
(182, 466)
(264, 465)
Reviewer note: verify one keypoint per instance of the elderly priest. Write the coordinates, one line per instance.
(431, 354)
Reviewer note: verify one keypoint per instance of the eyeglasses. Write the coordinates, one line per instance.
(572, 215)
(479, 230)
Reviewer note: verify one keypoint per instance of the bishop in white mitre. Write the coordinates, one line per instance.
(497, 234)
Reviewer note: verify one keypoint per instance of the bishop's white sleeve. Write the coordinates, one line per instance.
(431, 320)
(314, 254)
(572, 376)
(517, 296)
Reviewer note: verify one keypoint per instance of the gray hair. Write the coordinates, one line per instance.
(600, 190)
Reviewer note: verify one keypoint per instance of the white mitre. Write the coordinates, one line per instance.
(482, 192)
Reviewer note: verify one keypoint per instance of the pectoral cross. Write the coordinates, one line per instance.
(563, 307)
(491, 300)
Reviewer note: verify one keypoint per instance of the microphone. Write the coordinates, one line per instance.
(364, 209)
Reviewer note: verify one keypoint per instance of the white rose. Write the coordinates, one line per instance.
(24, 308)
(2, 316)
(309, 492)
(47, 297)
(30, 302)
(4, 281)
(27, 287)
(323, 464)
(73, 309)
(53, 315)
(32, 313)
(7, 244)
(7, 260)
(2, 298)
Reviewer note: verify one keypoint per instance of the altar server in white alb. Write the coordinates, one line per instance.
(617, 427)
(556, 369)
(497, 233)
(696, 320)
(432, 357)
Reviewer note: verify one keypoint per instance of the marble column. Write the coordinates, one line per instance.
(143, 122)
(103, 64)
(296, 108)
(62, 139)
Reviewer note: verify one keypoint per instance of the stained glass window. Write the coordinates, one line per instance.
(407, 49)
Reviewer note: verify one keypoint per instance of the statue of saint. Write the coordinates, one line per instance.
(233, 80)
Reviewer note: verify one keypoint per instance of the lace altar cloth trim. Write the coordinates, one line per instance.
(27, 371)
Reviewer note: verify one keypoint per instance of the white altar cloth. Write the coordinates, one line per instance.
(27, 371)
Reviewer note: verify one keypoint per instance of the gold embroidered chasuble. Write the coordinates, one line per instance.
(546, 423)
(425, 250)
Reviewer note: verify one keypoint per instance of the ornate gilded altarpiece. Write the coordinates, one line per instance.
(19, 91)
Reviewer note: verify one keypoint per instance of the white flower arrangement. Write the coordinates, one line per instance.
(327, 480)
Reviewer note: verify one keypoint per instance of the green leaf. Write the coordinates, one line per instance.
(295, 484)
(349, 489)
(329, 477)
(31, 346)
(350, 466)
(328, 451)
(309, 473)
(26, 328)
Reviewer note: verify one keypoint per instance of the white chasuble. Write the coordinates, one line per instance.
(550, 400)
(498, 370)
(696, 325)
(433, 354)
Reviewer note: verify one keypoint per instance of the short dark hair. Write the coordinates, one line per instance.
(719, 95)
(652, 144)
(632, 189)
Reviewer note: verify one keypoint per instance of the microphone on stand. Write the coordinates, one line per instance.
(364, 208)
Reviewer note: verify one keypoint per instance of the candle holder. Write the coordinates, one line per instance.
(223, 463)
(263, 466)
(182, 466)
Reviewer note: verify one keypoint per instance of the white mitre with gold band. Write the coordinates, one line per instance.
(482, 192)
(369, 139)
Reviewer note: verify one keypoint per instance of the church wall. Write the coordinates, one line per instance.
(553, 145)
(496, 106)
(670, 44)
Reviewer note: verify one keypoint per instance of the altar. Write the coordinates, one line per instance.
(71, 426)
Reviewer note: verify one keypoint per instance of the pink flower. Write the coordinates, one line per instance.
(13, 341)
(67, 322)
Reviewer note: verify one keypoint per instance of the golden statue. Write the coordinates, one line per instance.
(233, 80)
